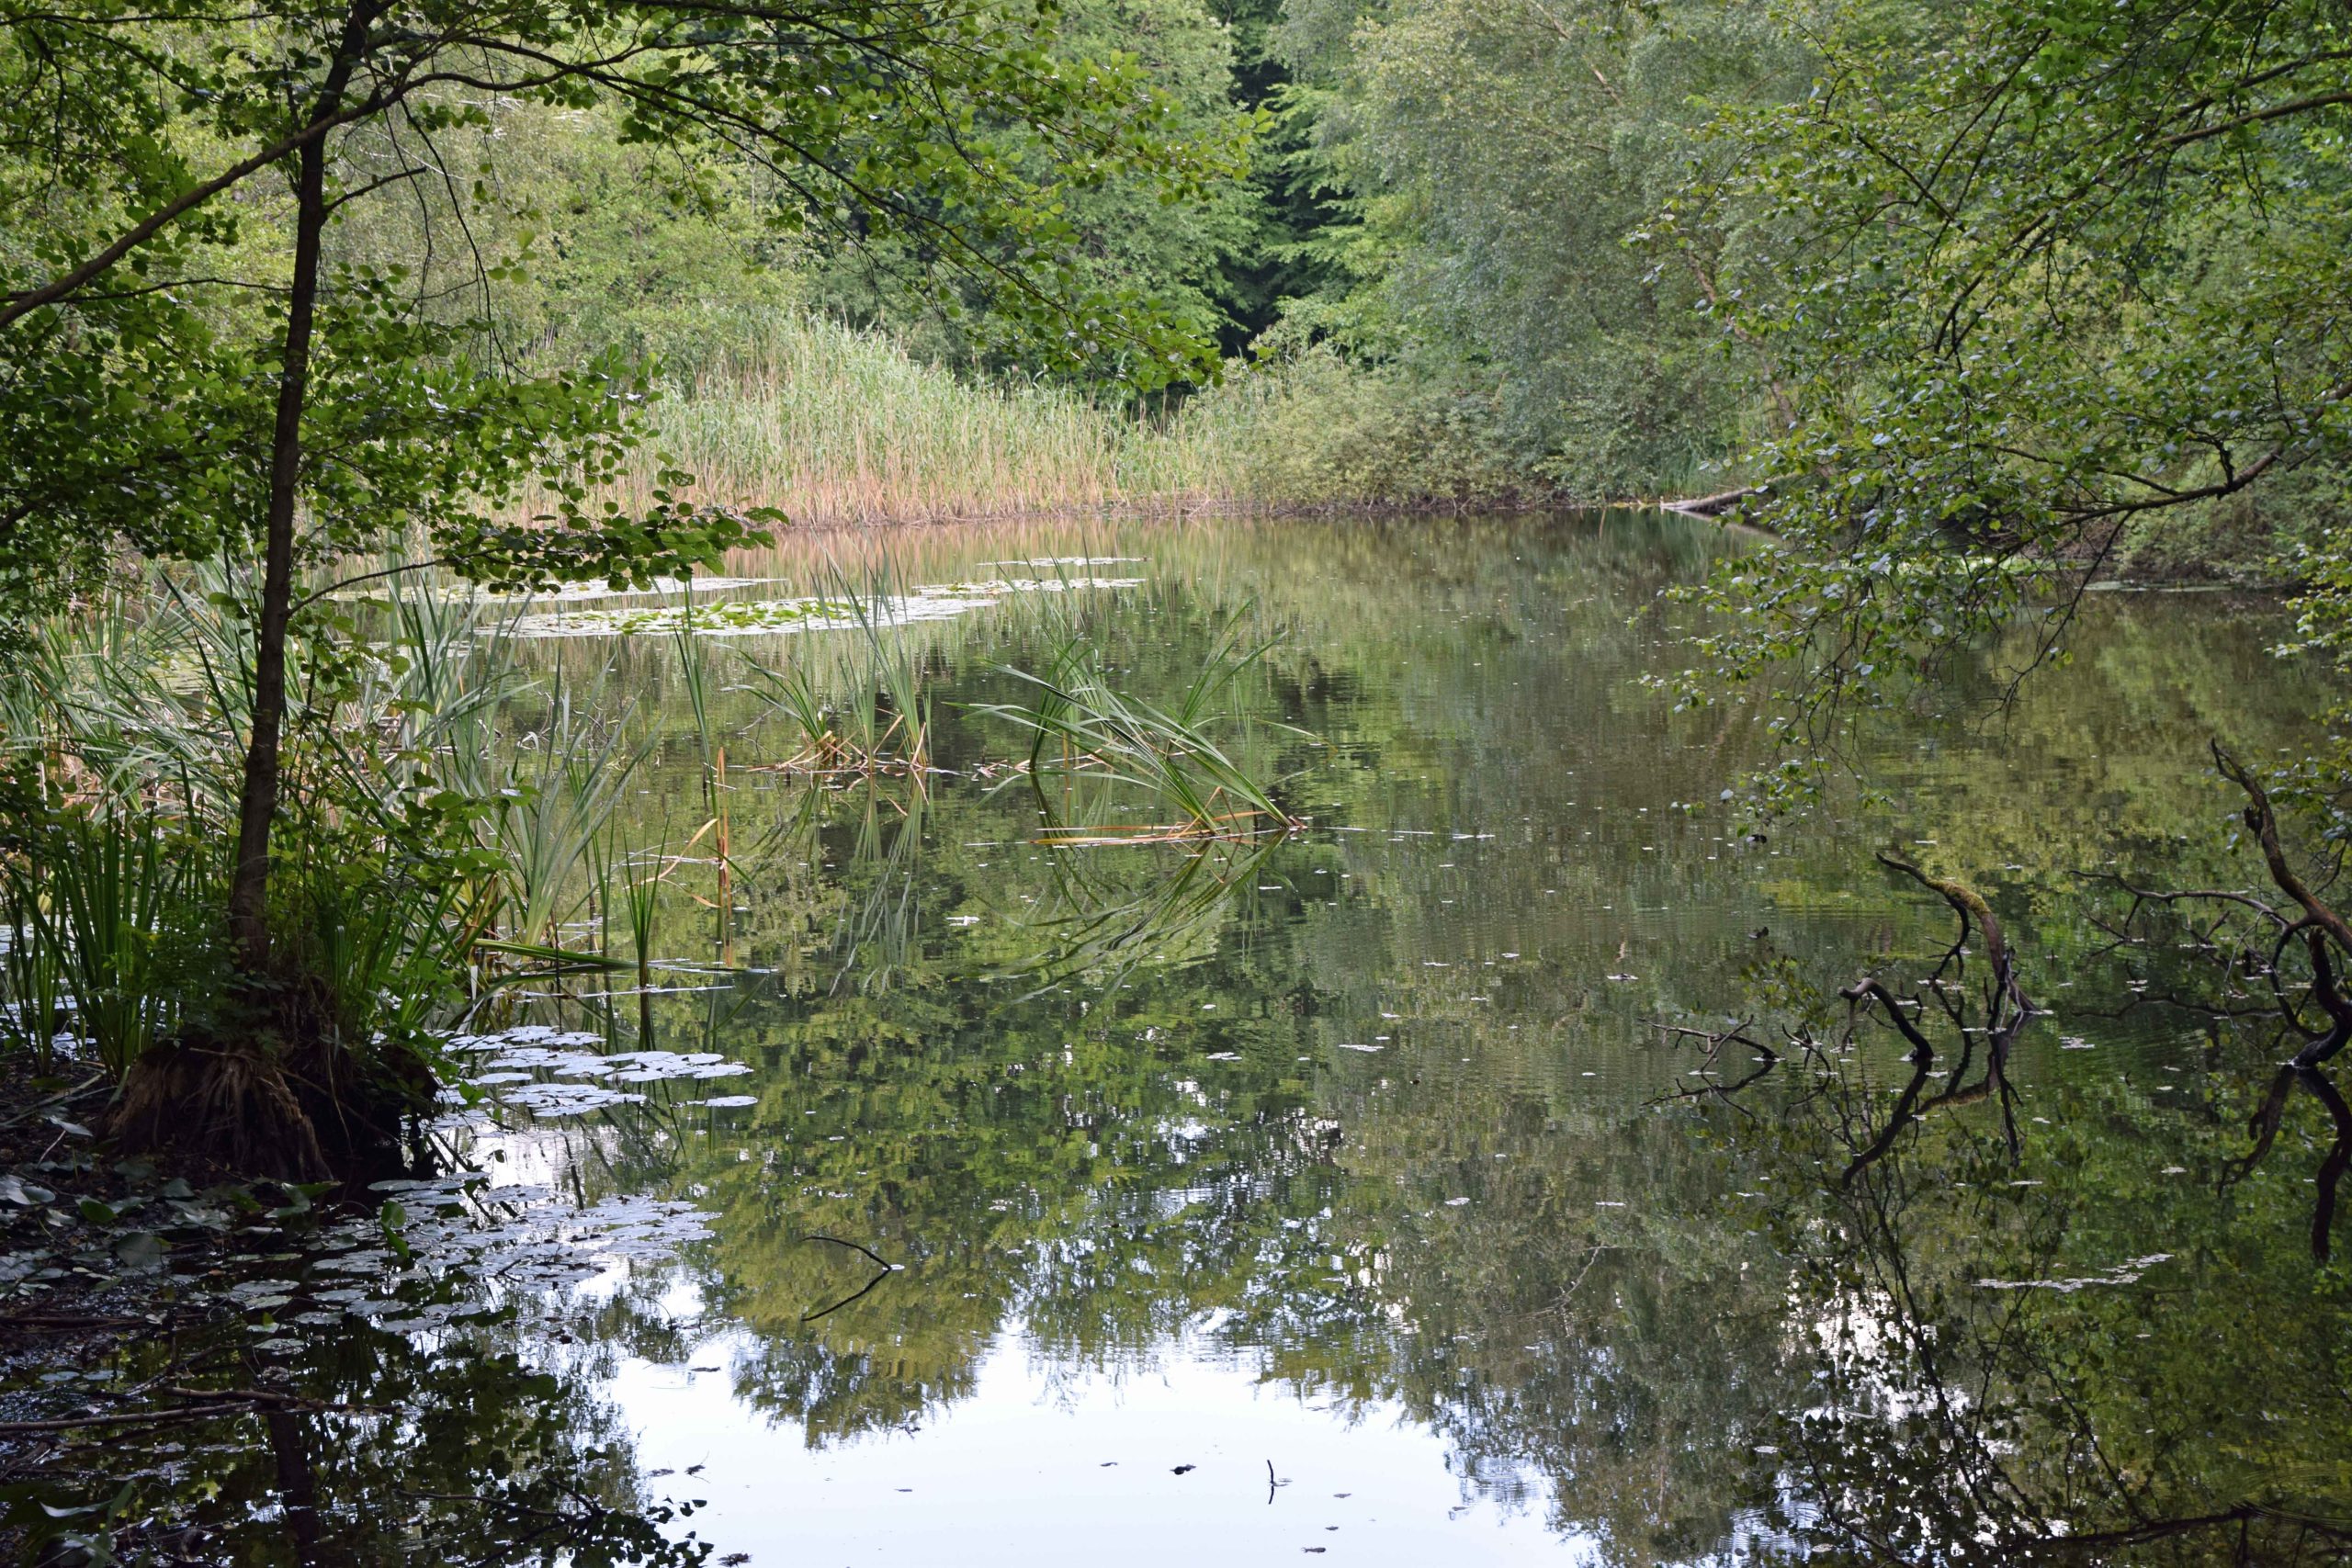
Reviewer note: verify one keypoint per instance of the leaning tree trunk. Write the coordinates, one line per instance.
(258, 800)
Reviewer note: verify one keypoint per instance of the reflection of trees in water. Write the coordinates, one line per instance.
(1758, 1317)
(1079, 1163)
(2255, 941)
(1681, 1332)
(2097, 1341)
(377, 1450)
(1082, 1164)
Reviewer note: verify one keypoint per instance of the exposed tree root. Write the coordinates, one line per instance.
(309, 1109)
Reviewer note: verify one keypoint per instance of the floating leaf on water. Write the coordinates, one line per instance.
(1072, 561)
(661, 587)
(140, 1251)
(756, 616)
(567, 1099)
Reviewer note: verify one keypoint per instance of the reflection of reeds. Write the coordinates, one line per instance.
(642, 892)
(879, 937)
(1113, 927)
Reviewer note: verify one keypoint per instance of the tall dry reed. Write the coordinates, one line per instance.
(834, 425)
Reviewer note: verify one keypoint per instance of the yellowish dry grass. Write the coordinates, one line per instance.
(834, 425)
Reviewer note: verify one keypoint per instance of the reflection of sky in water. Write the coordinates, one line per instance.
(1045, 1463)
(1405, 1046)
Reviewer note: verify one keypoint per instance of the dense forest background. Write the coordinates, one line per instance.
(1550, 250)
(405, 403)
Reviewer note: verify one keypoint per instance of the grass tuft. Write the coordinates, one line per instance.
(1083, 726)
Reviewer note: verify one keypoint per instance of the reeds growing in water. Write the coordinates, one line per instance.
(1083, 726)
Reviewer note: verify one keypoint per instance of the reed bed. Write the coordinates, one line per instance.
(833, 425)
(862, 705)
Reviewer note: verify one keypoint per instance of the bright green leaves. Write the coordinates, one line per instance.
(2044, 271)
(1496, 159)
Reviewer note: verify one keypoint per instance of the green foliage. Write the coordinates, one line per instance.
(1080, 725)
(1309, 427)
(102, 905)
(1497, 162)
(869, 711)
(2042, 270)
(289, 391)
(416, 819)
(1117, 237)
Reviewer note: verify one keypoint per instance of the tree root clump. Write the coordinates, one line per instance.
(307, 1108)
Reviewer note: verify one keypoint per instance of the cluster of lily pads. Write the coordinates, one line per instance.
(444, 1248)
(62, 1234)
(739, 617)
(548, 1073)
(429, 1251)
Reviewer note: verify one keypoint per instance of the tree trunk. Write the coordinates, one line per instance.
(258, 800)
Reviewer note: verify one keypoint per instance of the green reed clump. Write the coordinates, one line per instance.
(103, 906)
(870, 711)
(793, 696)
(32, 972)
(894, 675)
(1082, 725)
(559, 791)
(411, 822)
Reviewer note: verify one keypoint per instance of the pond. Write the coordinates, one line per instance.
(982, 1190)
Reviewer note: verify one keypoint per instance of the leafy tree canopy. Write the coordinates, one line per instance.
(2041, 272)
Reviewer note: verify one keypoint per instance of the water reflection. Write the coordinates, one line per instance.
(1360, 1150)
(2092, 1339)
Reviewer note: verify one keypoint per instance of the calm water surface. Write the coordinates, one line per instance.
(1329, 1195)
